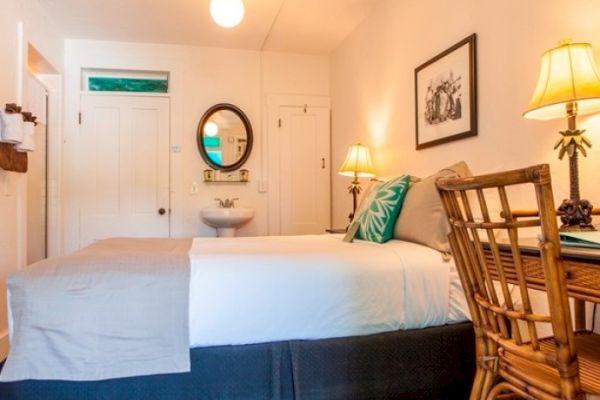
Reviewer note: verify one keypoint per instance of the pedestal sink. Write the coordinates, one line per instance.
(226, 220)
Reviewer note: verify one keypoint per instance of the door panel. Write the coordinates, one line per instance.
(125, 151)
(150, 168)
(305, 172)
(104, 139)
(145, 174)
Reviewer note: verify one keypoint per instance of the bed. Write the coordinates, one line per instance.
(303, 317)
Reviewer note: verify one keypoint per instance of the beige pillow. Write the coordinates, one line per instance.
(422, 219)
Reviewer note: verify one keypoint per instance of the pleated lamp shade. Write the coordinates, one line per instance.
(568, 75)
(358, 162)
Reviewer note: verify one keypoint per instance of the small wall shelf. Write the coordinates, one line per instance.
(226, 181)
(240, 176)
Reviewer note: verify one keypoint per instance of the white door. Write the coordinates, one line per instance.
(124, 154)
(304, 170)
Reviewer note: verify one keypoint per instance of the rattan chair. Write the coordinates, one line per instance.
(516, 360)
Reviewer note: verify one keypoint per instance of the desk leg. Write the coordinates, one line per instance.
(579, 311)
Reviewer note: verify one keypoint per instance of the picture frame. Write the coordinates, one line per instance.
(446, 95)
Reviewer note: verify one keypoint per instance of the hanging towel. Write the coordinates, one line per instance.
(12, 127)
(28, 143)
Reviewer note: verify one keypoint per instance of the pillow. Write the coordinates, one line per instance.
(423, 219)
(367, 196)
(376, 222)
(365, 201)
(369, 193)
(351, 231)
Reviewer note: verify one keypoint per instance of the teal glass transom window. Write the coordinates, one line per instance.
(138, 85)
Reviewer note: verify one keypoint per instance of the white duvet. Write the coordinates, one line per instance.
(263, 289)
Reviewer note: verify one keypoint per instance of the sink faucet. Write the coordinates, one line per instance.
(227, 203)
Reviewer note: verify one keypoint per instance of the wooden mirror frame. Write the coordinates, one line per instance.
(200, 135)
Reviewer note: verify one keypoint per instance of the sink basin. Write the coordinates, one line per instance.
(226, 220)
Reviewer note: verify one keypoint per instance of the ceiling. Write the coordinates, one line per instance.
(299, 26)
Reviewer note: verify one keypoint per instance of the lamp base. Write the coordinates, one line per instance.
(576, 215)
(354, 189)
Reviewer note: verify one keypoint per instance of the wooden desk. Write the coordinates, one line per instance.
(582, 267)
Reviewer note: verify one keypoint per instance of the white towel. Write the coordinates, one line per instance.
(12, 127)
(28, 143)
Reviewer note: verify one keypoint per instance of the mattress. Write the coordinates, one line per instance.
(267, 289)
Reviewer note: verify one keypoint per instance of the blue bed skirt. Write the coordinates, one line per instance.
(432, 363)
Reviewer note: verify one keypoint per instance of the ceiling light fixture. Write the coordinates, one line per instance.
(227, 13)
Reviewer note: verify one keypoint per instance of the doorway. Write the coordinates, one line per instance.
(37, 176)
(299, 171)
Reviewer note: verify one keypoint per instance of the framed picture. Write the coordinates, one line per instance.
(446, 95)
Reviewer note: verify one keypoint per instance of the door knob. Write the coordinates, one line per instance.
(161, 211)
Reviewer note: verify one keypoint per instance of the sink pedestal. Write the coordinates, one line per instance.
(226, 220)
(226, 232)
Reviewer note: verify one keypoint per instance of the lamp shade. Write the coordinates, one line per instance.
(568, 75)
(358, 162)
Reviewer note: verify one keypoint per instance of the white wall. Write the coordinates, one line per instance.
(297, 74)
(38, 31)
(372, 87)
(200, 78)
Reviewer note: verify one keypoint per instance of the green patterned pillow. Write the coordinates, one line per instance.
(378, 220)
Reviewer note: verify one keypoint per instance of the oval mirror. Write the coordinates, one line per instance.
(224, 137)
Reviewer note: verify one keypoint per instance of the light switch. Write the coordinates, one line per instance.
(194, 188)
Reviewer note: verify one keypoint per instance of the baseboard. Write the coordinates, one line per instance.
(3, 344)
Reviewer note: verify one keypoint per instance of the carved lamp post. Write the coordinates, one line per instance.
(569, 85)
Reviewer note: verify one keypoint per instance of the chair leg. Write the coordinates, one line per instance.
(477, 389)
(481, 350)
(488, 383)
(488, 363)
(483, 382)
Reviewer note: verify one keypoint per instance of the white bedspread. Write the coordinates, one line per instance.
(262, 289)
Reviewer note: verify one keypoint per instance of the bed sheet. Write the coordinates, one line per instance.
(264, 289)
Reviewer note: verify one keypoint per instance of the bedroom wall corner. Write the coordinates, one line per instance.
(372, 87)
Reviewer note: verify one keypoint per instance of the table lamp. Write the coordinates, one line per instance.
(568, 85)
(357, 165)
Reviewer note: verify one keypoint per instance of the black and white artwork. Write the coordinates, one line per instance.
(443, 99)
(445, 94)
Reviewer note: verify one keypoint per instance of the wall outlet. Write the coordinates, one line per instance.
(194, 189)
(262, 186)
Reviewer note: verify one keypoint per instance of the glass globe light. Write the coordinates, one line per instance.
(227, 13)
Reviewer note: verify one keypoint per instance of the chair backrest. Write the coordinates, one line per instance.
(487, 275)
